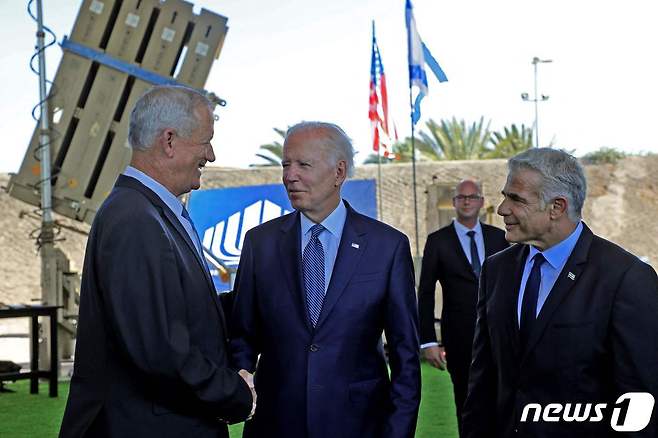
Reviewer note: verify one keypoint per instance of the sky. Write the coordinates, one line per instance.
(288, 61)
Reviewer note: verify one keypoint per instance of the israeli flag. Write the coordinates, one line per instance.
(419, 55)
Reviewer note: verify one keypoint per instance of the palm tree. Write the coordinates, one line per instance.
(454, 140)
(510, 142)
(272, 153)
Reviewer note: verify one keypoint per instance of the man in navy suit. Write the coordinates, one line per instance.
(152, 355)
(453, 256)
(566, 321)
(315, 290)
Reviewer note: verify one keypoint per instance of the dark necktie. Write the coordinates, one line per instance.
(195, 239)
(530, 295)
(475, 257)
(313, 268)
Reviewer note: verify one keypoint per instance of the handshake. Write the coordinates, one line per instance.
(249, 379)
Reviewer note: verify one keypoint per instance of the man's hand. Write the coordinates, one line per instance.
(249, 379)
(436, 356)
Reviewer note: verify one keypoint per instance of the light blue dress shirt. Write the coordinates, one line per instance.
(466, 241)
(169, 199)
(556, 257)
(329, 237)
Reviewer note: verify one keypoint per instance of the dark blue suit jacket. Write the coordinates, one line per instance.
(332, 380)
(151, 353)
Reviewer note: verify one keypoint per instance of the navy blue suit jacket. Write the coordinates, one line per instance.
(151, 354)
(332, 380)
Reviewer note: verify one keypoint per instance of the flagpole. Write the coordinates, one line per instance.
(413, 168)
(379, 185)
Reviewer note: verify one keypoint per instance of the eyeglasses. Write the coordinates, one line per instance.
(462, 198)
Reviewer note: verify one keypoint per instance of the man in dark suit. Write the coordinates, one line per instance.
(454, 255)
(151, 354)
(567, 321)
(315, 289)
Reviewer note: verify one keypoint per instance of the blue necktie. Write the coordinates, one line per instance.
(195, 239)
(313, 268)
(530, 295)
(475, 257)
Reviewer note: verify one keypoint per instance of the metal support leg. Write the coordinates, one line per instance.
(34, 356)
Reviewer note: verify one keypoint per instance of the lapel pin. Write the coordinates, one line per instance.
(355, 245)
(571, 276)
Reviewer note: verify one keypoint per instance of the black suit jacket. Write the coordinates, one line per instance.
(444, 260)
(151, 353)
(596, 338)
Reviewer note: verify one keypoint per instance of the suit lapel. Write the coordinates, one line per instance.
(512, 282)
(290, 257)
(563, 285)
(487, 237)
(169, 215)
(347, 260)
(462, 256)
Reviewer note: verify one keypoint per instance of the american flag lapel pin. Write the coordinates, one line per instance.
(571, 276)
(355, 245)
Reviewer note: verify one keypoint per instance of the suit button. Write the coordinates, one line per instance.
(314, 348)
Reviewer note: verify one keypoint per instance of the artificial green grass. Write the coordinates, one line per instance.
(24, 415)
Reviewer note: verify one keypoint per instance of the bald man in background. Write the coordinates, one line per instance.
(453, 256)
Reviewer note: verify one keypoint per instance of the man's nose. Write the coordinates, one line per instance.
(290, 174)
(210, 154)
(502, 209)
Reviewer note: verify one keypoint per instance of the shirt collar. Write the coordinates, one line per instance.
(462, 229)
(167, 197)
(333, 223)
(557, 255)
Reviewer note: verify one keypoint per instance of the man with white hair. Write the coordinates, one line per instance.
(151, 354)
(567, 322)
(315, 289)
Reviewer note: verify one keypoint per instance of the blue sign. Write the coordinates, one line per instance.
(223, 217)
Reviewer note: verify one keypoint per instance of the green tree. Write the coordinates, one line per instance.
(603, 155)
(510, 142)
(454, 140)
(272, 153)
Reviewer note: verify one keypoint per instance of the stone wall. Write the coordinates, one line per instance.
(622, 206)
(622, 201)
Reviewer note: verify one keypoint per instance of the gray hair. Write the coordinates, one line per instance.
(162, 107)
(561, 174)
(338, 143)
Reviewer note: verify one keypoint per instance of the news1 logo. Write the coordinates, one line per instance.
(631, 412)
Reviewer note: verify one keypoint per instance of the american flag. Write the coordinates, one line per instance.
(378, 120)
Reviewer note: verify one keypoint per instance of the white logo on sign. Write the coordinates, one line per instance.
(225, 239)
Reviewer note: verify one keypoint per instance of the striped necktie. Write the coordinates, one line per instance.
(195, 238)
(313, 268)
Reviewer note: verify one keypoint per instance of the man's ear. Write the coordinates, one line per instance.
(166, 141)
(341, 172)
(559, 207)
